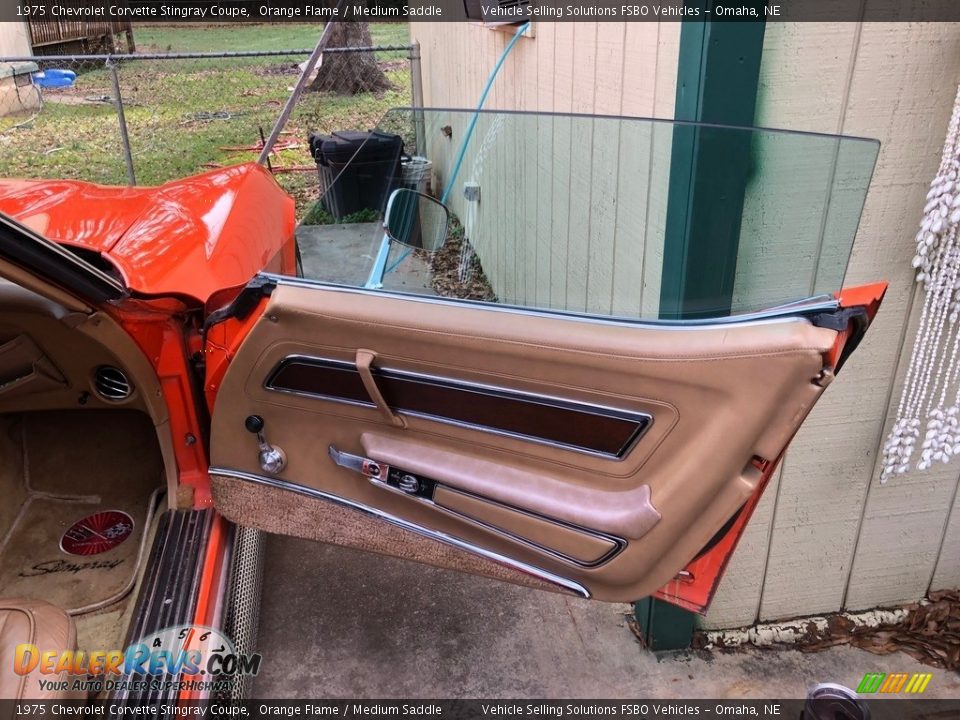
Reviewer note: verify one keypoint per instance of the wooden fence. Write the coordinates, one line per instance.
(45, 33)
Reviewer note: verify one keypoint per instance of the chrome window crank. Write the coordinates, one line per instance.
(272, 458)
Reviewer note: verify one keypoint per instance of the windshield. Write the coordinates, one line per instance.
(621, 217)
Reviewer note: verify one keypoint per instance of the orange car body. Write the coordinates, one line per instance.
(175, 246)
(188, 238)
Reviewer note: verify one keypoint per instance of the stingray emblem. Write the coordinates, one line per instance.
(97, 533)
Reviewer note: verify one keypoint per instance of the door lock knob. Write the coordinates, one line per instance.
(272, 458)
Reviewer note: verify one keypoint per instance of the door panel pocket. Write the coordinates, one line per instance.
(24, 369)
(578, 545)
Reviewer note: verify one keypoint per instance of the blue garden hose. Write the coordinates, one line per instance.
(379, 269)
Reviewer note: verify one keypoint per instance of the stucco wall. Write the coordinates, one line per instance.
(827, 535)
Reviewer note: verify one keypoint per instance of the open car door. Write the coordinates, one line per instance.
(556, 440)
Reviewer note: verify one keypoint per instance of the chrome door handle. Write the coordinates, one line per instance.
(365, 466)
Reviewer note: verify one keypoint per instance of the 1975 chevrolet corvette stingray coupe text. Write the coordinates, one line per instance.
(177, 376)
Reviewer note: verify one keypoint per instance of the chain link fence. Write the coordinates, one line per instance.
(146, 119)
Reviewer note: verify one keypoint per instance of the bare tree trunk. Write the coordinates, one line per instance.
(350, 73)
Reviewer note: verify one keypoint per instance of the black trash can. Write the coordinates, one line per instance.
(357, 170)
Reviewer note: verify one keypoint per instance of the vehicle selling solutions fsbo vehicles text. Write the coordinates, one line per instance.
(522, 12)
(517, 13)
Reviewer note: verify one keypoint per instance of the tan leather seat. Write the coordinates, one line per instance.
(38, 623)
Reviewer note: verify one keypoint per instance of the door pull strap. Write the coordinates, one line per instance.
(365, 360)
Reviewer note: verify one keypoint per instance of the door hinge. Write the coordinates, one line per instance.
(244, 303)
(855, 318)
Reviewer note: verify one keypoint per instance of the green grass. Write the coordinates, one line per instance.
(183, 115)
(154, 38)
(319, 215)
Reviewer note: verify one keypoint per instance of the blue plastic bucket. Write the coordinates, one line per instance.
(54, 78)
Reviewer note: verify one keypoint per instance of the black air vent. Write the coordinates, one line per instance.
(112, 383)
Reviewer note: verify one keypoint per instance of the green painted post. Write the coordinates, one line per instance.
(717, 79)
(664, 626)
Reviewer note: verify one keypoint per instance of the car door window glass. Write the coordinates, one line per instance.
(618, 217)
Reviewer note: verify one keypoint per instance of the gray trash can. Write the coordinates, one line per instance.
(415, 173)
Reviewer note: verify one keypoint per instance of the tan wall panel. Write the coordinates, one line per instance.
(903, 80)
(901, 534)
(14, 39)
(553, 250)
(801, 88)
(947, 572)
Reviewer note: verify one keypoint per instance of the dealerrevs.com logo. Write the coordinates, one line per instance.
(196, 657)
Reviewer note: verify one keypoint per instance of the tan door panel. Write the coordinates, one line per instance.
(641, 433)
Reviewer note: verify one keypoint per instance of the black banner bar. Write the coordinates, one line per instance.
(629, 709)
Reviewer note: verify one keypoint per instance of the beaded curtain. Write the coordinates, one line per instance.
(931, 391)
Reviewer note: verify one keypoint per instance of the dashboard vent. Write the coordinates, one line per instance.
(112, 383)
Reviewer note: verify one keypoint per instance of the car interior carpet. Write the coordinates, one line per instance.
(56, 470)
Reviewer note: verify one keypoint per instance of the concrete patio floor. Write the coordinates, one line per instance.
(338, 623)
(344, 254)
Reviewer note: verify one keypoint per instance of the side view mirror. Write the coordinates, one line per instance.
(416, 220)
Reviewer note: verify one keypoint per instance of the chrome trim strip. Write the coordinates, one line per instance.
(644, 421)
(320, 396)
(819, 303)
(456, 542)
(618, 543)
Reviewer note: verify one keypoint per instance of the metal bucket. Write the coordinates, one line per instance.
(416, 173)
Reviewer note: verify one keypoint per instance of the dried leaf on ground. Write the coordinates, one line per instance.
(930, 633)
(456, 271)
